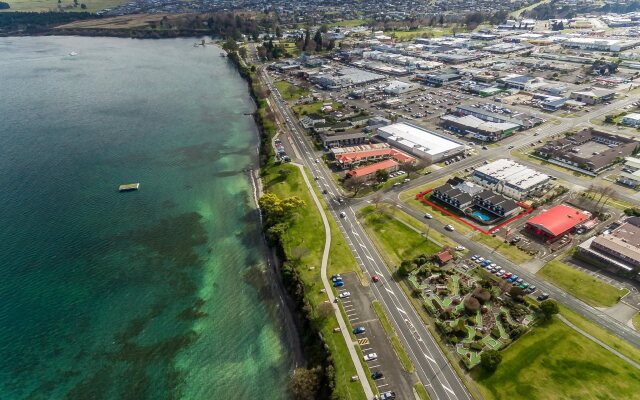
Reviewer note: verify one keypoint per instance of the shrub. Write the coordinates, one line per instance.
(471, 304)
(482, 295)
(478, 335)
(476, 346)
(495, 332)
(490, 360)
(453, 339)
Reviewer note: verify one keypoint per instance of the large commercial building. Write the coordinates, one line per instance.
(618, 250)
(420, 142)
(556, 222)
(585, 43)
(510, 178)
(630, 175)
(477, 128)
(345, 77)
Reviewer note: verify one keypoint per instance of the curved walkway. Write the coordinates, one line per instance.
(327, 286)
(588, 336)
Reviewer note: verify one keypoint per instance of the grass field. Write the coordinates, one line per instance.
(581, 285)
(398, 241)
(401, 353)
(52, 5)
(555, 362)
(602, 334)
(422, 391)
(636, 322)
(289, 91)
(511, 252)
(422, 32)
(305, 240)
(312, 108)
(349, 23)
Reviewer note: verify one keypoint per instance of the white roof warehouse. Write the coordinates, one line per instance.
(419, 142)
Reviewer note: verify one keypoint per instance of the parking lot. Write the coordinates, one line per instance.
(358, 308)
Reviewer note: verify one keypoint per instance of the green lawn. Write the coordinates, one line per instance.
(555, 362)
(289, 91)
(581, 285)
(423, 32)
(401, 353)
(397, 240)
(636, 321)
(497, 243)
(422, 391)
(409, 198)
(46, 5)
(312, 108)
(305, 239)
(349, 23)
(602, 334)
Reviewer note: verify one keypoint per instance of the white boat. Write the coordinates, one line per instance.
(73, 53)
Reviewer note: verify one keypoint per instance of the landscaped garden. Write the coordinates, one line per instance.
(473, 312)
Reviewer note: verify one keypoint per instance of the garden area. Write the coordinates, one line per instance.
(473, 313)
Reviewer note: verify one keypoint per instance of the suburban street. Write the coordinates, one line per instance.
(432, 366)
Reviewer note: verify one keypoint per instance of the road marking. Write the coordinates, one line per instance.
(401, 310)
(429, 358)
(370, 258)
(390, 291)
(379, 386)
(447, 389)
(367, 349)
(354, 319)
(363, 341)
(362, 245)
(374, 366)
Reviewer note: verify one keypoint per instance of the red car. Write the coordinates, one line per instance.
(507, 275)
(375, 278)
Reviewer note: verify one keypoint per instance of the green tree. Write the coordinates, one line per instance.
(325, 310)
(278, 32)
(549, 308)
(318, 39)
(304, 383)
(83, 6)
(382, 175)
(278, 210)
(230, 45)
(490, 360)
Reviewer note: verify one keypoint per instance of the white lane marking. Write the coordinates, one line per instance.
(379, 386)
(354, 319)
(429, 358)
(448, 390)
(362, 245)
(401, 310)
(374, 366)
(369, 257)
(390, 291)
(367, 349)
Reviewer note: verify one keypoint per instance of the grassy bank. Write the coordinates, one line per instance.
(581, 285)
(289, 91)
(421, 391)
(555, 362)
(304, 241)
(67, 5)
(513, 253)
(401, 353)
(397, 240)
(636, 322)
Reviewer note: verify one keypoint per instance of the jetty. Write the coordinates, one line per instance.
(129, 187)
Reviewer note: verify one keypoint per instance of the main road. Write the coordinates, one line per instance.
(432, 366)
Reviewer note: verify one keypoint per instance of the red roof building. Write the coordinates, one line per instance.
(349, 159)
(556, 222)
(444, 257)
(367, 172)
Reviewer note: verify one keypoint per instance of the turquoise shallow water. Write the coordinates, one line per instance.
(155, 294)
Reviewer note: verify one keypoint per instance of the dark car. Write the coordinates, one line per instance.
(338, 283)
(388, 395)
(375, 278)
(377, 375)
(543, 296)
(358, 330)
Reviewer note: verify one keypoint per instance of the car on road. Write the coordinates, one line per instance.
(317, 161)
(450, 228)
(428, 216)
(510, 146)
(338, 284)
(370, 357)
(515, 240)
(344, 295)
(377, 375)
(460, 248)
(375, 278)
(358, 330)
(542, 296)
(324, 191)
(388, 395)
(343, 214)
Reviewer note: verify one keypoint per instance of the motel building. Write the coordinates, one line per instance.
(552, 224)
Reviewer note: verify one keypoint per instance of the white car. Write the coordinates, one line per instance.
(428, 216)
(370, 357)
(450, 228)
(344, 295)
(460, 248)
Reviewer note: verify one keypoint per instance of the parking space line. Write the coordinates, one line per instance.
(374, 366)
(367, 349)
(383, 385)
(354, 319)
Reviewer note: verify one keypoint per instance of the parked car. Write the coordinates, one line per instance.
(375, 278)
(542, 296)
(344, 295)
(512, 278)
(531, 289)
(336, 278)
(506, 275)
(377, 375)
(388, 395)
(524, 285)
(370, 357)
(358, 330)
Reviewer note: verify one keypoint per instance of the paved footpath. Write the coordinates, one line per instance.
(588, 336)
(327, 286)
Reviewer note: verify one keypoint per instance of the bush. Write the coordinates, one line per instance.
(471, 304)
(490, 360)
(495, 332)
(453, 339)
(477, 346)
(482, 295)
(478, 335)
